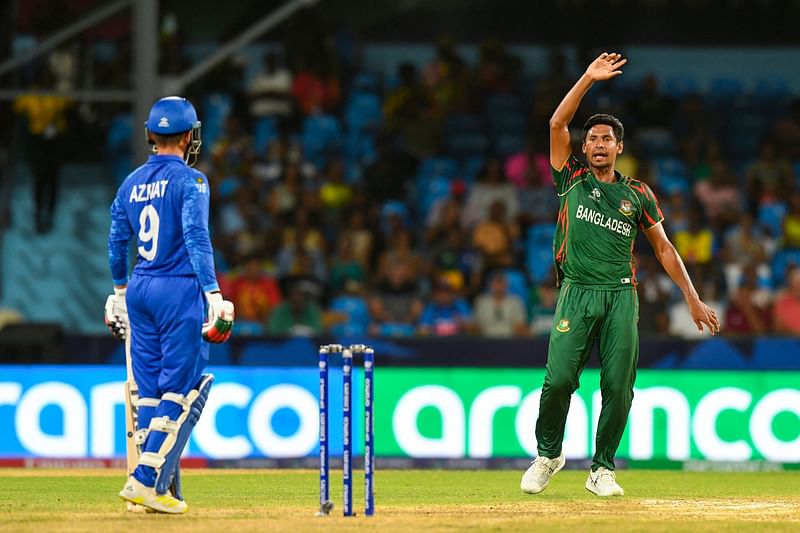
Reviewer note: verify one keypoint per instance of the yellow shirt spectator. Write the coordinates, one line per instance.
(46, 113)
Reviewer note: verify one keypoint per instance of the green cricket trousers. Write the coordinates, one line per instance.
(583, 314)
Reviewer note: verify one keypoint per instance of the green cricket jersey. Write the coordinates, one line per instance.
(597, 226)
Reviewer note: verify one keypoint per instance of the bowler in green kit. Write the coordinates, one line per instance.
(600, 215)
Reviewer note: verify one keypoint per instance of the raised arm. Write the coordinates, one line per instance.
(673, 264)
(605, 67)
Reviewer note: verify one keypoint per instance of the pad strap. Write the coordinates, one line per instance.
(151, 459)
(164, 425)
(147, 402)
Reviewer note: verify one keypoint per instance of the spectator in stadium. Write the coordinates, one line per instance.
(695, 245)
(315, 88)
(282, 153)
(361, 236)
(770, 178)
(529, 167)
(300, 314)
(538, 202)
(395, 306)
(654, 291)
(494, 238)
(410, 113)
(719, 195)
(305, 232)
(298, 262)
(791, 223)
(749, 312)
(786, 132)
(286, 195)
(47, 117)
(444, 218)
(335, 193)
(344, 267)
(497, 70)
(786, 312)
(543, 307)
(499, 313)
(675, 211)
(400, 248)
(270, 91)
(446, 313)
(492, 185)
(255, 294)
(232, 155)
(744, 245)
(447, 77)
(387, 177)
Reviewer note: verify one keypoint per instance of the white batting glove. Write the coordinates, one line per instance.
(218, 326)
(117, 314)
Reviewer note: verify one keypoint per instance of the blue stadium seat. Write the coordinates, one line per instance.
(366, 82)
(472, 166)
(215, 110)
(541, 234)
(446, 167)
(656, 142)
(771, 92)
(506, 144)
(539, 251)
(771, 216)
(517, 124)
(360, 147)
(363, 112)
(673, 175)
(539, 262)
(680, 86)
(725, 88)
(503, 103)
(782, 260)
(321, 136)
(118, 144)
(463, 124)
(467, 144)
(517, 283)
(265, 131)
(430, 190)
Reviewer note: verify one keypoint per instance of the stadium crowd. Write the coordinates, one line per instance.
(421, 203)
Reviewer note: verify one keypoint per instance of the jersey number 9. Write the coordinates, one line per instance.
(148, 232)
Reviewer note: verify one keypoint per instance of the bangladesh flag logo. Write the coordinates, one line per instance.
(563, 325)
(626, 207)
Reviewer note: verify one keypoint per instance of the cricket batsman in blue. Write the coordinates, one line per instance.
(172, 306)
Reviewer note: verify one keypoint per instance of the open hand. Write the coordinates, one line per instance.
(606, 66)
(704, 315)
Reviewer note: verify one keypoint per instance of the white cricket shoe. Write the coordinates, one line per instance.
(538, 475)
(603, 482)
(135, 492)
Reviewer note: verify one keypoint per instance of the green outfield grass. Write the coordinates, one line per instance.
(227, 501)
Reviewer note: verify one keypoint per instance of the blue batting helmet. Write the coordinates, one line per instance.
(171, 115)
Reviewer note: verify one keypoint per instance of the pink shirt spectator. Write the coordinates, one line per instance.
(517, 168)
(787, 313)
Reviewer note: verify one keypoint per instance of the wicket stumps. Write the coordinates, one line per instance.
(325, 503)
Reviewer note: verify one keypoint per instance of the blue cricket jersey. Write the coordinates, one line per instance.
(164, 203)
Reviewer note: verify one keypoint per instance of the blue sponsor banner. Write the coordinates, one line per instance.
(78, 411)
